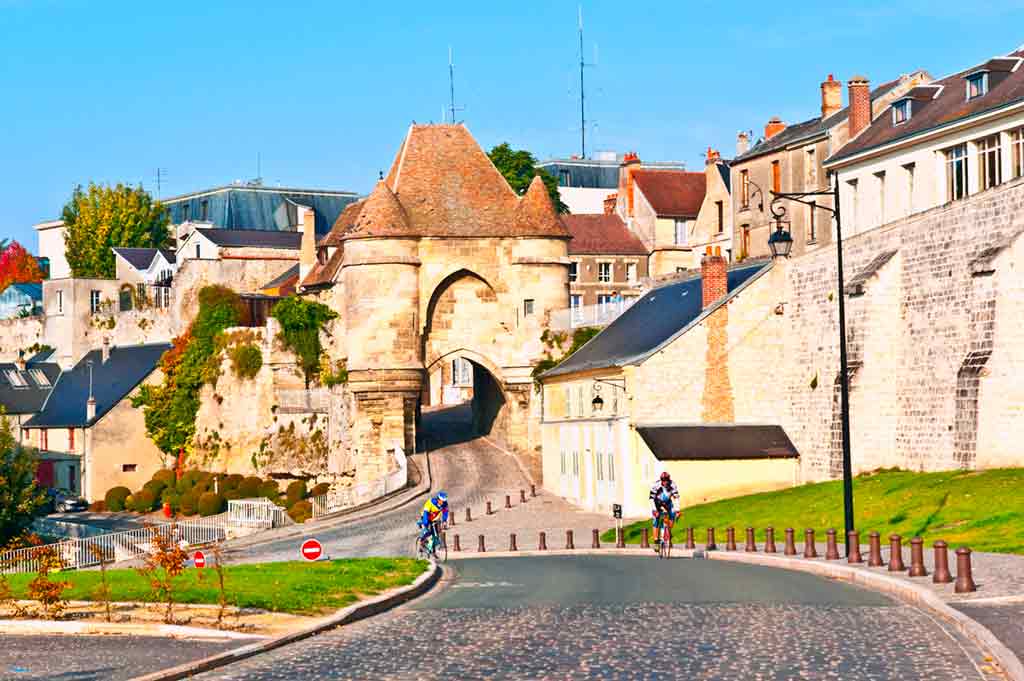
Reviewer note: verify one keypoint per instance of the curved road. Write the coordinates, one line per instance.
(616, 617)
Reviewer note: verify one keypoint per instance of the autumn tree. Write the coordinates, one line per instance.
(18, 266)
(519, 166)
(101, 217)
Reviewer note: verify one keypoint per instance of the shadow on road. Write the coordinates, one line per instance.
(446, 426)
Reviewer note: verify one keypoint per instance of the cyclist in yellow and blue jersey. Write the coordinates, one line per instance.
(434, 508)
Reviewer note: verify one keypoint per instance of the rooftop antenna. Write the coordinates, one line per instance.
(161, 175)
(451, 87)
(583, 65)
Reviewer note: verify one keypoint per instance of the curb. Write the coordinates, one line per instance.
(637, 553)
(905, 591)
(37, 627)
(353, 613)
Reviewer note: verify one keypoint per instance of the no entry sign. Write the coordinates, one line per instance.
(311, 549)
(199, 559)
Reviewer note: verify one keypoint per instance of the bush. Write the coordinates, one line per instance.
(211, 503)
(296, 492)
(155, 486)
(250, 487)
(320, 489)
(232, 495)
(143, 501)
(115, 498)
(233, 481)
(98, 506)
(246, 360)
(171, 496)
(301, 511)
(167, 476)
(187, 503)
(270, 490)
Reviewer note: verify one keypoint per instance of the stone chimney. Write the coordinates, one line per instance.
(712, 157)
(773, 127)
(609, 203)
(714, 281)
(831, 96)
(742, 143)
(105, 350)
(20, 363)
(860, 105)
(90, 409)
(307, 252)
(630, 161)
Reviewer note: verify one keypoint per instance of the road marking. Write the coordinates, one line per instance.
(485, 585)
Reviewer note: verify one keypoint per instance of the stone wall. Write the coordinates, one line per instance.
(20, 334)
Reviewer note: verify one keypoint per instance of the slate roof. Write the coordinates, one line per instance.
(112, 381)
(139, 258)
(601, 234)
(1006, 87)
(33, 290)
(30, 398)
(595, 173)
(659, 317)
(684, 442)
(290, 275)
(672, 193)
(252, 238)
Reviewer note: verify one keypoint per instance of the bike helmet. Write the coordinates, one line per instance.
(665, 477)
(442, 497)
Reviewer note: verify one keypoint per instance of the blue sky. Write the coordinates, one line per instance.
(324, 91)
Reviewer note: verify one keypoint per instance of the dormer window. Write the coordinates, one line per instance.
(977, 85)
(901, 112)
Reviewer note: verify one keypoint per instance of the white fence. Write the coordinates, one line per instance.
(303, 401)
(339, 500)
(260, 514)
(590, 315)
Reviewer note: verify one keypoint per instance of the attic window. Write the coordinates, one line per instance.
(977, 85)
(39, 377)
(901, 112)
(16, 379)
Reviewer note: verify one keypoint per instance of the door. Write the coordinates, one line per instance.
(45, 474)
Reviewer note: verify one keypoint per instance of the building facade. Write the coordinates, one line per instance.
(608, 264)
(584, 183)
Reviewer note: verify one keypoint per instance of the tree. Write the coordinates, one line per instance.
(102, 217)
(519, 167)
(18, 266)
(20, 496)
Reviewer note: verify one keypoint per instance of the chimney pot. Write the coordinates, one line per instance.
(860, 105)
(20, 363)
(773, 127)
(106, 350)
(90, 409)
(831, 96)
(742, 143)
(714, 279)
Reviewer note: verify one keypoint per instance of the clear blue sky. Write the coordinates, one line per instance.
(109, 91)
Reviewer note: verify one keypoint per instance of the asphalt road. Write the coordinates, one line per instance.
(615, 617)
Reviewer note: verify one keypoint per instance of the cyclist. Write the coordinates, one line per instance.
(434, 508)
(663, 493)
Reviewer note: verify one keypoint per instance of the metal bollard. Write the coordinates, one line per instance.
(941, 575)
(896, 553)
(964, 578)
(730, 539)
(480, 544)
(645, 542)
(522, 496)
(831, 550)
(690, 543)
(875, 550)
(917, 568)
(620, 538)
(769, 540)
(489, 508)
(533, 490)
(751, 546)
(711, 546)
(568, 540)
(508, 501)
(469, 517)
(455, 545)
(512, 542)
(790, 549)
(542, 544)
(810, 550)
(853, 548)
(595, 541)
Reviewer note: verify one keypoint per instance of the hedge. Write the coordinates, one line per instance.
(211, 503)
(115, 498)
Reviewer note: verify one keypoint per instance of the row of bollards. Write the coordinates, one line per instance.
(508, 504)
(542, 541)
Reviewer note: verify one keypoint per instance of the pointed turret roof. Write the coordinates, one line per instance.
(535, 212)
(381, 215)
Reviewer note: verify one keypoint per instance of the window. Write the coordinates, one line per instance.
(681, 233)
(576, 463)
(564, 178)
(812, 168)
(563, 457)
(721, 217)
(15, 378)
(605, 303)
(611, 467)
(956, 172)
(977, 85)
(574, 271)
(901, 112)
(812, 223)
(44, 439)
(1017, 147)
(579, 402)
(128, 467)
(744, 189)
(776, 177)
(599, 464)
(199, 253)
(60, 302)
(576, 305)
(528, 307)
(568, 402)
(462, 371)
(745, 244)
(94, 301)
(204, 210)
(990, 161)
(39, 377)
(186, 212)
(880, 180)
(631, 270)
(909, 169)
(140, 289)
(124, 298)
(852, 191)
(71, 439)
(604, 271)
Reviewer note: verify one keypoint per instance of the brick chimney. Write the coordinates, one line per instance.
(20, 362)
(105, 351)
(630, 161)
(714, 282)
(609, 203)
(712, 157)
(773, 127)
(860, 105)
(831, 96)
(742, 143)
(307, 248)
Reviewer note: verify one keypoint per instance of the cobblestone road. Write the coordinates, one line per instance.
(630, 618)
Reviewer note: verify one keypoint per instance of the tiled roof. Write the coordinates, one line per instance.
(1005, 87)
(381, 215)
(323, 275)
(601, 234)
(344, 223)
(289, 276)
(252, 238)
(535, 211)
(673, 193)
(26, 394)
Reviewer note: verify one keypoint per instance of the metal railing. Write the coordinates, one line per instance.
(349, 497)
(303, 401)
(261, 514)
(601, 314)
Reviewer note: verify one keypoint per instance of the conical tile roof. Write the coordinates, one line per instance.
(535, 213)
(382, 215)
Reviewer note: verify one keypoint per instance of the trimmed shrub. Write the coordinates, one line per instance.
(246, 360)
(155, 486)
(270, 490)
(143, 501)
(115, 498)
(232, 495)
(320, 489)
(301, 511)
(167, 476)
(187, 503)
(233, 481)
(193, 476)
(296, 492)
(211, 503)
(250, 487)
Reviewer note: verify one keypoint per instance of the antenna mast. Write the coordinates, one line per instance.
(161, 173)
(583, 119)
(451, 87)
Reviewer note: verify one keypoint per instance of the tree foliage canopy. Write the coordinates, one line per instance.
(20, 496)
(18, 266)
(519, 166)
(102, 217)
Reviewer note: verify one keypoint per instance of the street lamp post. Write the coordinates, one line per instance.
(779, 241)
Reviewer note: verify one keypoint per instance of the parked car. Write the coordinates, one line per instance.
(64, 501)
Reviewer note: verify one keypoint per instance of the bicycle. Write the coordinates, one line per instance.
(433, 546)
(665, 547)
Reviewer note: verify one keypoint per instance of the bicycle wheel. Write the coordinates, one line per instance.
(419, 551)
(442, 549)
(666, 542)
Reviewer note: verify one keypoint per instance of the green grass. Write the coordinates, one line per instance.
(294, 587)
(980, 509)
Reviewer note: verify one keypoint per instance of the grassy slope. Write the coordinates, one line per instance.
(301, 588)
(980, 509)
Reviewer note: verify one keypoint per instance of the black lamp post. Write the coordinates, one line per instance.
(780, 244)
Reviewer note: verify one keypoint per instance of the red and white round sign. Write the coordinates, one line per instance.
(199, 559)
(311, 549)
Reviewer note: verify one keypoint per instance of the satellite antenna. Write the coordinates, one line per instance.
(451, 87)
(583, 65)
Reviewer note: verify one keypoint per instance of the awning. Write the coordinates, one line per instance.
(719, 441)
